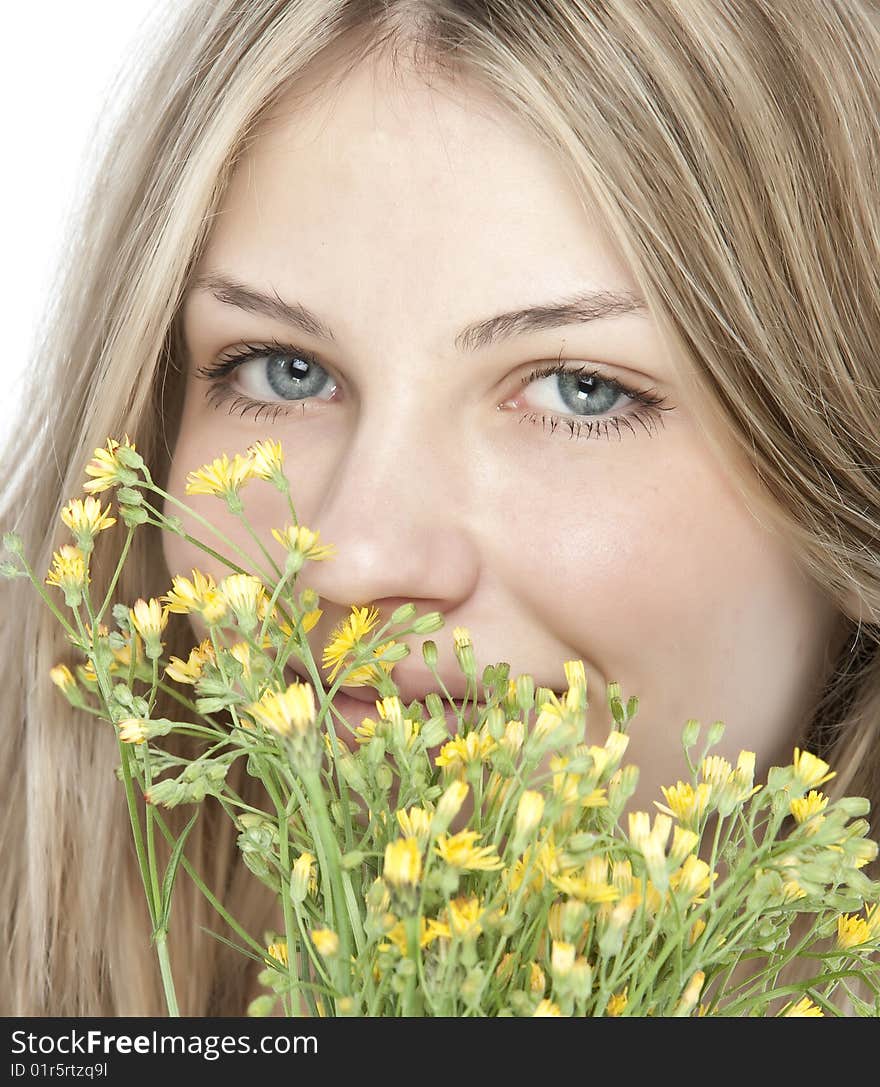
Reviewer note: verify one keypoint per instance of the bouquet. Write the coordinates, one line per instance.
(441, 859)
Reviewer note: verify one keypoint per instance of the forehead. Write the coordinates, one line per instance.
(420, 181)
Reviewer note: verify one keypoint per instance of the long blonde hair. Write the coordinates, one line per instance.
(733, 148)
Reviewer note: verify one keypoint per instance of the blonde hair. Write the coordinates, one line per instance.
(733, 149)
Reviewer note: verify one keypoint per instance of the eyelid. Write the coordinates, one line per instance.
(649, 397)
(233, 357)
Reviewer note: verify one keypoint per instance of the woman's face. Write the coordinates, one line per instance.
(406, 261)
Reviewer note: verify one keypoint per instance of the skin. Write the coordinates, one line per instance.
(400, 213)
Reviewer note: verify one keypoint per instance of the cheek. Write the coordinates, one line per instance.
(655, 571)
(200, 443)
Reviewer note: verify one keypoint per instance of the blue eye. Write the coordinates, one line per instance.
(584, 400)
(273, 374)
(579, 393)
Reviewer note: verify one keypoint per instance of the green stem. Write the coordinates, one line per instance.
(116, 573)
(167, 980)
(211, 898)
(283, 814)
(315, 793)
(47, 600)
(201, 520)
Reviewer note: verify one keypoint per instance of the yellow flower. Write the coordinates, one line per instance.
(651, 841)
(278, 951)
(585, 887)
(465, 916)
(693, 879)
(686, 803)
(808, 808)
(267, 460)
(691, 994)
(462, 751)
(62, 677)
(429, 931)
(244, 594)
(133, 730)
(852, 931)
(514, 735)
(461, 851)
(684, 841)
(222, 477)
(149, 618)
(85, 518)
(287, 713)
(464, 650)
(449, 805)
(537, 979)
(199, 595)
(298, 538)
(617, 1003)
(191, 670)
(242, 653)
(730, 788)
(346, 638)
(107, 467)
(365, 731)
(403, 864)
(69, 572)
(416, 823)
(546, 1008)
(326, 942)
(303, 879)
(804, 1008)
(810, 771)
(575, 675)
(529, 813)
(562, 956)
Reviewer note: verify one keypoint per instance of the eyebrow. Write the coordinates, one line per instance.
(581, 308)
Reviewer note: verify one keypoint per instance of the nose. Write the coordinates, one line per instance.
(394, 505)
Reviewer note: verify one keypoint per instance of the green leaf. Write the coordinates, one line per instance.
(171, 870)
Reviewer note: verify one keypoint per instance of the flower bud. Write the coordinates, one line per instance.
(404, 613)
(65, 681)
(149, 619)
(429, 654)
(326, 942)
(562, 957)
(495, 722)
(525, 692)
(384, 777)
(690, 733)
(402, 871)
(429, 623)
(13, 543)
(137, 730)
(691, 995)
(434, 732)
(448, 806)
(302, 877)
(464, 651)
(434, 704)
(528, 816)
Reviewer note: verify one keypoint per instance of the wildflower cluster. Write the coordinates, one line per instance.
(474, 856)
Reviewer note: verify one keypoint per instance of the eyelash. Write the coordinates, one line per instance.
(651, 404)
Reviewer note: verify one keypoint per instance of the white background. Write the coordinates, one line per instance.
(60, 60)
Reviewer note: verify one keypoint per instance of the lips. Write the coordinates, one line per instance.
(355, 707)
